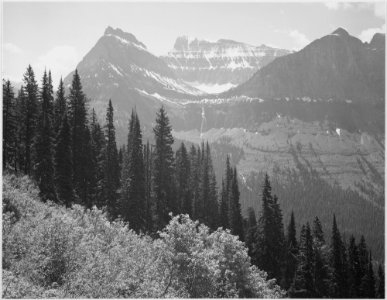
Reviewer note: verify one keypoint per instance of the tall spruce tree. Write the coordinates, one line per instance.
(97, 160)
(80, 136)
(251, 234)
(339, 285)
(235, 214)
(291, 253)
(59, 106)
(21, 102)
(213, 207)
(354, 269)
(133, 205)
(44, 165)
(320, 267)
(111, 169)
(63, 165)
(9, 126)
(148, 159)
(271, 237)
(30, 116)
(163, 170)
(194, 180)
(182, 172)
(303, 285)
(367, 285)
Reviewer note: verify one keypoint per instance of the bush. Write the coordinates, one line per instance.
(55, 252)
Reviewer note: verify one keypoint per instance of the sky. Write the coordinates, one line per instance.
(57, 35)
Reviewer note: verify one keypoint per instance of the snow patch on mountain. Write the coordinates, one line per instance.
(212, 88)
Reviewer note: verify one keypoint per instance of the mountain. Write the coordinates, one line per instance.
(314, 120)
(336, 66)
(119, 67)
(217, 66)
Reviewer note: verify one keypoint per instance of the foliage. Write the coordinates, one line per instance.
(53, 251)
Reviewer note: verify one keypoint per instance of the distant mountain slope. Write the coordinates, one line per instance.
(336, 66)
(217, 66)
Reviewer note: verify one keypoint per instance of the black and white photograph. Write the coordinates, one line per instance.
(193, 149)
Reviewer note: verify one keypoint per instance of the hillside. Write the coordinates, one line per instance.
(53, 252)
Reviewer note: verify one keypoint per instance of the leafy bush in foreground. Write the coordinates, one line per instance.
(53, 251)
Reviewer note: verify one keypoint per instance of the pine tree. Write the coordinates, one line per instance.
(320, 267)
(9, 126)
(63, 165)
(338, 263)
(368, 281)
(223, 207)
(380, 287)
(354, 269)
(21, 102)
(97, 160)
(271, 237)
(213, 207)
(80, 137)
(251, 234)
(59, 106)
(291, 253)
(194, 180)
(182, 173)
(133, 205)
(303, 285)
(30, 115)
(148, 158)
(163, 169)
(235, 214)
(44, 168)
(111, 178)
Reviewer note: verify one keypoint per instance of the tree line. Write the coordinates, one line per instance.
(74, 159)
(55, 140)
(310, 267)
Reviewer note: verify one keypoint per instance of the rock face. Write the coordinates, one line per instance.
(336, 66)
(217, 66)
(119, 67)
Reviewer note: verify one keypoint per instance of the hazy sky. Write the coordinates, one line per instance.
(57, 35)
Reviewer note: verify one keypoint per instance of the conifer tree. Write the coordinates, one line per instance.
(213, 207)
(380, 287)
(182, 172)
(133, 205)
(354, 269)
(338, 263)
(320, 267)
(111, 178)
(63, 165)
(271, 237)
(368, 281)
(303, 285)
(223, 207)
(9, 126)
(194, 180)
(30, 115)
(251, 234)
(59, 106)
(44, 168)
(163, 170)
(80, 136)
(148, 185)
(97, 160)
(291, 253)
(21, 102)
(235, 214)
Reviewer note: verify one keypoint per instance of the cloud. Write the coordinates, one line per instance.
(299, 39)
(12, 48)
(61, 60)
(367, 34)
(378, 7)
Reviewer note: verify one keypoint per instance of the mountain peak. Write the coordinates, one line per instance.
(126, 36)
(340, 32)
(378, 40)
